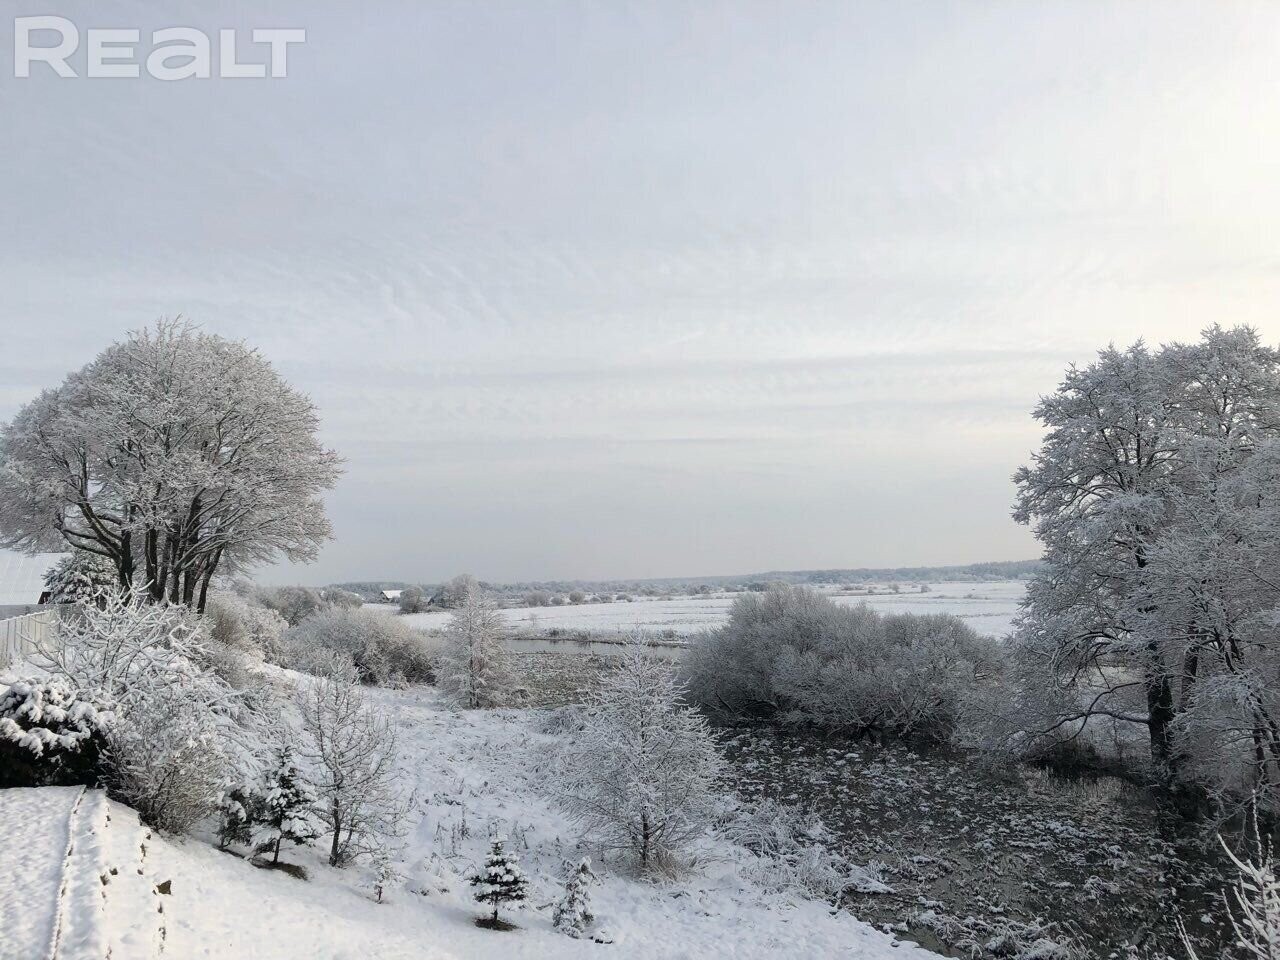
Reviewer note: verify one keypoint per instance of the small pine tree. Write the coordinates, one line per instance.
(239, 810)
(385, 874)
(501, 881)
(288, 806)
(573, 913)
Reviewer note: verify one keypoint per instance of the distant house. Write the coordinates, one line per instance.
(22, 578)
(391, 596)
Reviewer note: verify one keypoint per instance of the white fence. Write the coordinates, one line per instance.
(19, 636)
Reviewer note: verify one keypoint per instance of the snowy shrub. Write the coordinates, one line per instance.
(167, 759)
(381, 647)
(473, 669)
(641, 774)
(500, 880)
(794, 655)
(50, 735)
(243, 624)
(180, 729)
(352, 748)
(343, 599)
(572, 914)
(81, 577)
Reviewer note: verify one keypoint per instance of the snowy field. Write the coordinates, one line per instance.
(987, 607)
(474, 774)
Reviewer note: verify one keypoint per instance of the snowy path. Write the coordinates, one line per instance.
(36, 830)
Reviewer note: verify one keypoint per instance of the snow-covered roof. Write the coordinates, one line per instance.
(22, 576)
(391, 594)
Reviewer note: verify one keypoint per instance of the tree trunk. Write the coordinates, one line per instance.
(276, 858)
(1160, 714)
(337, 834)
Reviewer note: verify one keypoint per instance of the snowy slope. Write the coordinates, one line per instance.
(473, 773)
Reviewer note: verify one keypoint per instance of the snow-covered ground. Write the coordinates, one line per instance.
(474, 773)
(988, 607)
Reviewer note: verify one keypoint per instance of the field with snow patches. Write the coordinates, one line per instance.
(474, 774)
(989, 607)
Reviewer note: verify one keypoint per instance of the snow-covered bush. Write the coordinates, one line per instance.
(382, 648)
(794, 655)
(500, 880)
(572, 914)
(641, 775)
(81, 577)
(343, 599)
(352, 749)
(168, 759)
(238, 810)
(473, 667)
(180, 731)
(242, 624)
(50, 735)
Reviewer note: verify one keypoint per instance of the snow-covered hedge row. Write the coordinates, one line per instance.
(793, 655)
(50, 735)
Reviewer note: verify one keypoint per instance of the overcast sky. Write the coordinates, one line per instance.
(607, 290)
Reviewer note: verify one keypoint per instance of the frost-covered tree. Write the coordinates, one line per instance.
(641, 774)
(1155, 494)
(176, 455)
(295, 604)
(412, 600)
(352, 746)
(473, 668)
(80, 577)
(500, 880)
(288, 806)
(456, 591)
(572, 914)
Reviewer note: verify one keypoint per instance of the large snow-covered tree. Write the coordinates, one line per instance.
(1156, 496)
(641, 773)
(176, 455)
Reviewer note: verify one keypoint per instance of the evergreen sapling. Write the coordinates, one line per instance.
(288, 806)
(573, 913)
(500, 881)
